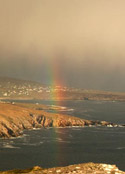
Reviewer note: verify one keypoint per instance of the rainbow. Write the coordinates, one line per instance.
(53, 76)
(55, 96)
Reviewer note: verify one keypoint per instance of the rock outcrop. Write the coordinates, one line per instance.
(14, 118)
(86, 168)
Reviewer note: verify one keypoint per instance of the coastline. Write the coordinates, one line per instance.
(62, 99)
(16, 117)
(35, 117)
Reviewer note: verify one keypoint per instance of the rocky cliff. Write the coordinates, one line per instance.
(14, 118)
(86, 168)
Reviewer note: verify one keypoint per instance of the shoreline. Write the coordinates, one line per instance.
(64, 99)
(16, 117)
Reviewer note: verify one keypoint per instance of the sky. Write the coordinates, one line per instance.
(76, 43)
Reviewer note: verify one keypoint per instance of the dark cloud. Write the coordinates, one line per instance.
(78, 43)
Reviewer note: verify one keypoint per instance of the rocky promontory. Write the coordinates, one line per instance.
(85, 168)
(15, 117)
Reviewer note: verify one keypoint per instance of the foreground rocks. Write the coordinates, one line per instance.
(14, 118)
(86, 168)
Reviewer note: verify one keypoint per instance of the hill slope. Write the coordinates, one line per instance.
(21, 89)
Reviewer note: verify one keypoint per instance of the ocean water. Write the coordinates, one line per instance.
(64, 146)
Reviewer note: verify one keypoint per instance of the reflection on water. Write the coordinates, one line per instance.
(63, 146)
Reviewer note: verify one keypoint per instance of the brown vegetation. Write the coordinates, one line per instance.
(15, 117)
(86, 168)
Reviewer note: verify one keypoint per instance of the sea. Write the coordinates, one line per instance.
(52, 147)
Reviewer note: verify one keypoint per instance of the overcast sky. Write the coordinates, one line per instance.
(79, 43)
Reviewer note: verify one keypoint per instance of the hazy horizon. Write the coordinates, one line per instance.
(76, 43)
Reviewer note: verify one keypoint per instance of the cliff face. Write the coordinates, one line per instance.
(86, 168)
(14, 118)
(60, 121)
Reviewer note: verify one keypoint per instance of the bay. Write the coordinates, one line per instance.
(64, 146)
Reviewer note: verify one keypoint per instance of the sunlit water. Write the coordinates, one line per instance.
(63, 146)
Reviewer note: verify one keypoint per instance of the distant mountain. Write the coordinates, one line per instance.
(11, 88)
